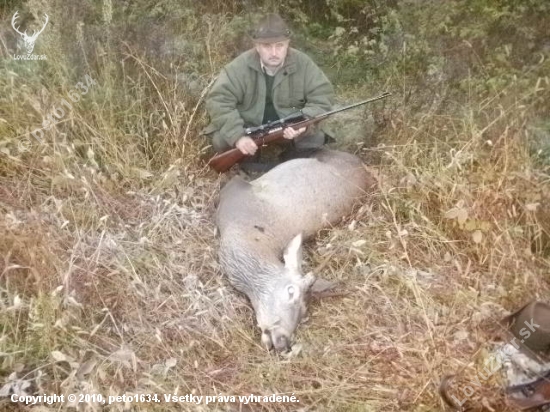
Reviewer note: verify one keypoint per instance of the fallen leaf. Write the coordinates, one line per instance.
(358, 243)
(170, 363)
(451, 213)
(86, 368)
(462, 216)
(477, 236)
(58, 356)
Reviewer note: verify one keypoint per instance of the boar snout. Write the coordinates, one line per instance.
(276, 339)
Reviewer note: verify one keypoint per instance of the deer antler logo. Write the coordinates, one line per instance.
(29, 40)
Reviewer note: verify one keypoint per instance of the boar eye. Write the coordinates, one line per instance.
(290, 292)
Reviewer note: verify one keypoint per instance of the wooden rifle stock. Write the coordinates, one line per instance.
(222, 162)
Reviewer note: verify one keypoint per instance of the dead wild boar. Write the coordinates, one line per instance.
(264, 220)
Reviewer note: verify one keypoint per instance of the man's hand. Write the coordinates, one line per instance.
(290, 133)
(246, 145)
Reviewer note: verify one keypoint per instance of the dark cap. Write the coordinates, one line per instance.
(271, 29)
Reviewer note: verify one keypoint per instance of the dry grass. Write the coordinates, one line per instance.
(109, 281)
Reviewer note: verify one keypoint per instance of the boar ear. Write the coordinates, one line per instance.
(293, 254)
(293, 293)
(322, 288)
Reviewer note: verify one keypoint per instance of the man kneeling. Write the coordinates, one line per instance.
(264, 84)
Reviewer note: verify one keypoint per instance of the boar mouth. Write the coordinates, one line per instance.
(276, 338)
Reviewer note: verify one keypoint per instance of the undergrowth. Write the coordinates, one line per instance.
(109, 282)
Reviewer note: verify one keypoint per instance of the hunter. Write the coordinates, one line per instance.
(266, 83)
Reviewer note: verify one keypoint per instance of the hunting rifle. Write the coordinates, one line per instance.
(273, 131)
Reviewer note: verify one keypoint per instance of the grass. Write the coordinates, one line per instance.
(109, 282)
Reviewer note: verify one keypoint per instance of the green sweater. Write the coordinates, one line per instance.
(270, 114)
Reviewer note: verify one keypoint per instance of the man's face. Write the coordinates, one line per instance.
(272, 54)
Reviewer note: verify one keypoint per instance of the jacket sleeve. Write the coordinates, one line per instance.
(221, 105)
(319, 91)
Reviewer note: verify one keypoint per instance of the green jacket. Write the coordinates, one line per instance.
(237, 98)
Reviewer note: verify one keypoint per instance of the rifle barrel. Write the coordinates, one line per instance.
(383, 95)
